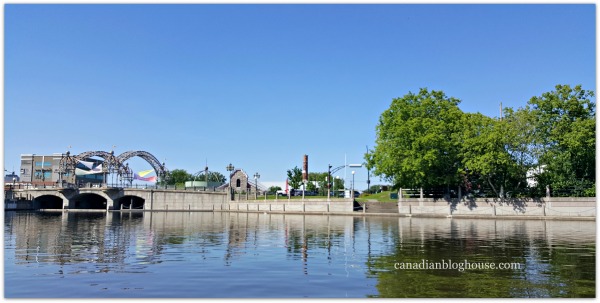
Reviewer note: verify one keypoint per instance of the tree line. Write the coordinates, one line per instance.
(424, 140)
(178, 177)
(294, 176)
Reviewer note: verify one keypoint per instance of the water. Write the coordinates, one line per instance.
(248, 255)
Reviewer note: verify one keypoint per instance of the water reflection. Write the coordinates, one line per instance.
(205, 254)
(557, 259)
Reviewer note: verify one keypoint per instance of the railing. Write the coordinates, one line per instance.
(11, 186)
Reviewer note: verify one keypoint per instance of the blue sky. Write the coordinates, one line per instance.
(259, 86)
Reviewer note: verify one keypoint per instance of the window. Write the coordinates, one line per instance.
(238, 183)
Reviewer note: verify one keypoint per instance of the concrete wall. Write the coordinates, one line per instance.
(555, 207)
(291, 206)
(181, 200)
(173, 200)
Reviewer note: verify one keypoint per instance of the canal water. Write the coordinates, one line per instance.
(259, 255)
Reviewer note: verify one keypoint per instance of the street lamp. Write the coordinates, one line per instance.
(32, 163)
(328, 179)
(230, 170)
(352, 193)
(256, 177)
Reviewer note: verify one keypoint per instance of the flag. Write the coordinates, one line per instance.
(145, 172)
(149, 179)
(82, 172)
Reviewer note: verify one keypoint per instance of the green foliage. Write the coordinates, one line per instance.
(485, 156)
(212, 177)
(565, 138)
(178, 176)
(294, 177)
(273, 189)
(310, 186)
(425, 140)
(417, 142)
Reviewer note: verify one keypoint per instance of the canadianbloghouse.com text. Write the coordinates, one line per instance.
(460, 265)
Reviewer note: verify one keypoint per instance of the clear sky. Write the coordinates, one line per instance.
(259, 86)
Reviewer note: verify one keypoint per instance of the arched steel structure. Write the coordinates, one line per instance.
(160, 169)
(112, 164)
(212, 176)
(66, 167)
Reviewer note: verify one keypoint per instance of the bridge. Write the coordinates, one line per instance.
(113, 198)
(157, 199)
(112, 164)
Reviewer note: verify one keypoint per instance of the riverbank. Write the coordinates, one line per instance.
(355, 213)
(536, 209)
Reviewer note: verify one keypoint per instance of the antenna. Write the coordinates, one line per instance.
(500, 110)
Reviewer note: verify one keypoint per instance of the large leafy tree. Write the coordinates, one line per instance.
(486, 156)
(565, 138)
(178, 176)
(294, 177)
(416, 143)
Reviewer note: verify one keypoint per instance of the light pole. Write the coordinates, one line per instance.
(352, 193)
(328, 178)
(230, 170)
(256, 177)
(31, 173)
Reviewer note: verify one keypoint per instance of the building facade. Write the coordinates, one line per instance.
(43, 170)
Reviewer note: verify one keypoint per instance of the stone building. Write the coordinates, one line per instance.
(239, 181)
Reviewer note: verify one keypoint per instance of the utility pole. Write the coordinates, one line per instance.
(368, 174)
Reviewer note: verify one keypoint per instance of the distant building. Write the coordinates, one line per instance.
(10, 178)
(43, 170)
(240, 182)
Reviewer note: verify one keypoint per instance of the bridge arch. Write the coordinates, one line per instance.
(48, 201)
(90, 200)
(160, 169)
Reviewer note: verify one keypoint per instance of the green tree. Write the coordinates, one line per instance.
(319, 178)
(178, 176)
(212, 177)
(565, 138)
(485, 155)
(416, 143)
(294, 177)
(273, 189)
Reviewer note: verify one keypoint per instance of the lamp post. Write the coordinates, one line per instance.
(328, 178)
(32, 163)
(328, 190)
(352, 193)
(256, 176)
(230, 170)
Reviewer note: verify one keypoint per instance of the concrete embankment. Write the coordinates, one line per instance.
(554, 208)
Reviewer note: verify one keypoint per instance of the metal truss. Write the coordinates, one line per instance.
(111, 164)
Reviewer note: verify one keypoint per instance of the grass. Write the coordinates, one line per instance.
(383, 196)
(379, 197)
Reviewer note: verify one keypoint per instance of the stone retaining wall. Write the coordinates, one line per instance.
(555, 207)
